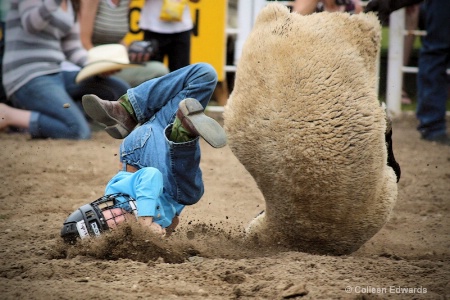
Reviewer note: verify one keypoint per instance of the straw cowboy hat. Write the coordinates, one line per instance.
(105, 58)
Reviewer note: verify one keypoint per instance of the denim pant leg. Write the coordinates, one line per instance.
(179, 163)
(194, 81)
(148, 145)
(433, 61)
(45, 97)
(186, 182)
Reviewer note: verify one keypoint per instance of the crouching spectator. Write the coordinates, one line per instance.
(40, 36)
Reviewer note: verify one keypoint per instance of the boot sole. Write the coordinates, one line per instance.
(208, 128)
(93, 108)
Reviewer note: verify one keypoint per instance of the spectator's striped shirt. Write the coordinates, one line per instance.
(39, 36)
(111, 22)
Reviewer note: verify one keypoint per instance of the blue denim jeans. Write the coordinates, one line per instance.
(47, 97)
(434, 58)
(155, 103)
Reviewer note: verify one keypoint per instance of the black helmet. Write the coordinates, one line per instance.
(88, 220)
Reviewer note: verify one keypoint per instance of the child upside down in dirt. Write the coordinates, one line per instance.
(159, 159)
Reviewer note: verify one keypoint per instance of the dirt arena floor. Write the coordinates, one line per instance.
(42, 181)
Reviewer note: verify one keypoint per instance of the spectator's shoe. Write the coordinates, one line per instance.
(190, 113)
(119, 123)
(440, 139)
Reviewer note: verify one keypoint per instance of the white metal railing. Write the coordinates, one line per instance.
(394, 81)
(394, 77)
(248, 10)
(231, 31)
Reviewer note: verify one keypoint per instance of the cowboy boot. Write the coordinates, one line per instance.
(119, 122)
(191, 114)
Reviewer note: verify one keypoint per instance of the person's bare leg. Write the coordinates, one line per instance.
(411, 23)
(331, 6)
(221, 93)
(305, 7)
(11, 116)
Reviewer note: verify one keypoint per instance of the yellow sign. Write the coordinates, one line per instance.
(208, 41)
(134, 34)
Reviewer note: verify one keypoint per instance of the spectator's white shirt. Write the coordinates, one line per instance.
(149, 19)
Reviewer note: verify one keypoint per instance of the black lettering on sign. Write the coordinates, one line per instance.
(196, 22)
(134, 26)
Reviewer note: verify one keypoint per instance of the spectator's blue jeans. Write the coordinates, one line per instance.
(155, 103)
(48, 96)
(432, 81)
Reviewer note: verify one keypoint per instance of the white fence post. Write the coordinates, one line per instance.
(395, 62)
(248, 10)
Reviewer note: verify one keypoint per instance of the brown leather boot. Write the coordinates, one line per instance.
(190, 113)
(119, 123)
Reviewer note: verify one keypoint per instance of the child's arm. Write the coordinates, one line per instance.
(171, 228)
(155, 227)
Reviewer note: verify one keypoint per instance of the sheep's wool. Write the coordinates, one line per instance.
(305, 121)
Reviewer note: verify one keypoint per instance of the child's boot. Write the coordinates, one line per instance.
(191, 115)
(118, 119)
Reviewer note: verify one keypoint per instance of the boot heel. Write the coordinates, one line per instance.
(192, 116)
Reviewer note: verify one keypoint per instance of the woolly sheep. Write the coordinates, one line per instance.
(305, 121)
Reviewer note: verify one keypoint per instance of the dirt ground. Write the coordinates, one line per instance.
(42, 181)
